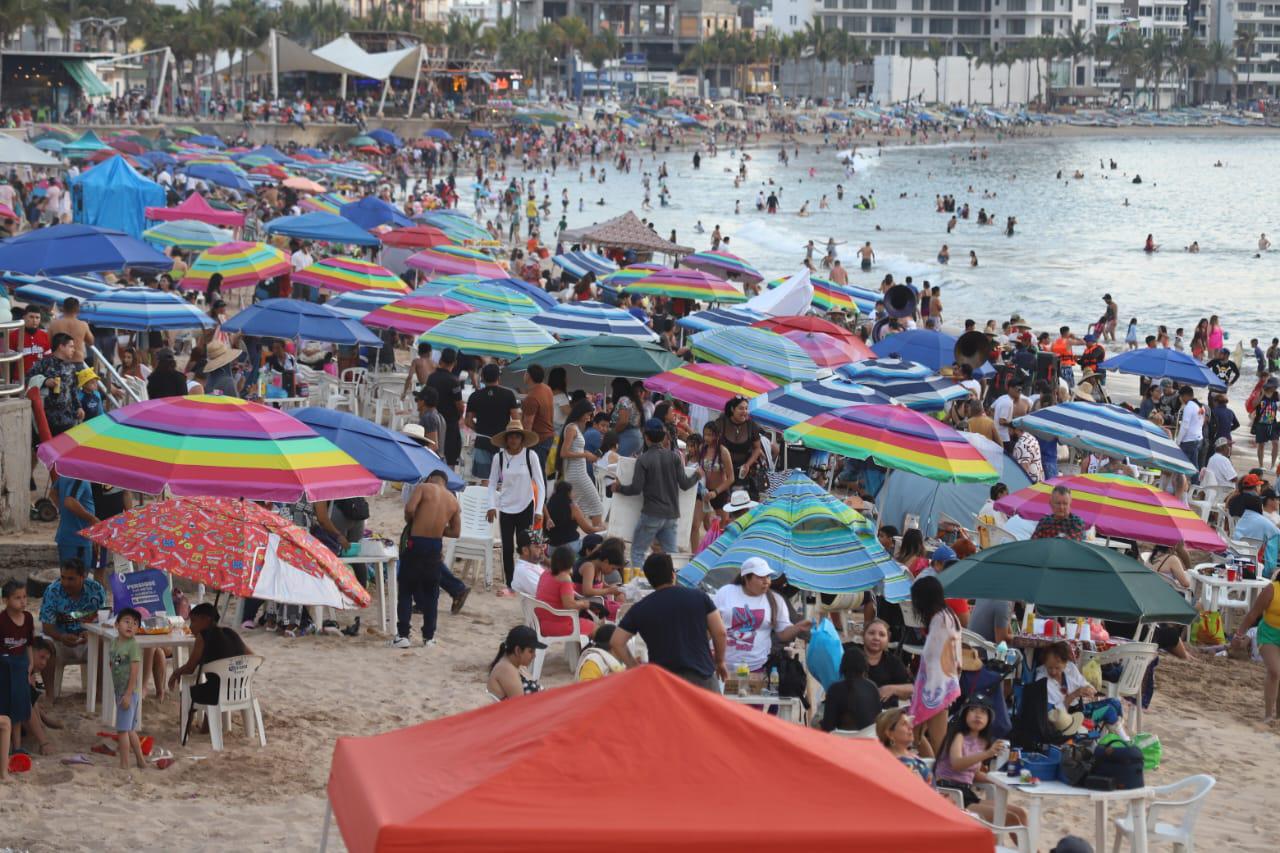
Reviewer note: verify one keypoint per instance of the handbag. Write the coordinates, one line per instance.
(825, 653)
(1076, 764)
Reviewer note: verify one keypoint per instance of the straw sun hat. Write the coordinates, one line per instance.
(499, 439)
(218, 354)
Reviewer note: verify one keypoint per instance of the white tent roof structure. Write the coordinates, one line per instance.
(340, 56)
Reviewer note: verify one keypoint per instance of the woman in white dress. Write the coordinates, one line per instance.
(573, 458)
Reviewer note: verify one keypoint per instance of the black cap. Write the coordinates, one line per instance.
(1072, 844)
(523, 637)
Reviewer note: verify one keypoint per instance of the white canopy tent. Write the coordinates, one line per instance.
(342, 56)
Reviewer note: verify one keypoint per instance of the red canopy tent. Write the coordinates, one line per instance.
(667, 766)
(195, 207)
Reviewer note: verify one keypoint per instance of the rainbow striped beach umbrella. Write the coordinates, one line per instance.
(242, 264)
(459, 227)
(323, 203)
(710, 385)
(187, 234)
(414, 315)
(723, 263)
(453, 260)
(344, 274)
(765, 352)
(486, 295)
(829, 296)
(795, 403)
(820, 544)
(143, 309)
(357, 303)
(437, 286)
(206, 445)
(686, 284)
(1119, 506)
(896, 437)
(488, 333)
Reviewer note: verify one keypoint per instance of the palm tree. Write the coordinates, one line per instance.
(1188, 58)
(1219, 56)
(912, 54)
(1128, 54)
(1046, 51)
(990, 58)
(937, 51)
(969, 58)
(821, 40)
(1156, 56)
(1246, 46)
(1074, 45)
(1008, 58)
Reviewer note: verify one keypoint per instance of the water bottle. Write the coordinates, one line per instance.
(743, 674)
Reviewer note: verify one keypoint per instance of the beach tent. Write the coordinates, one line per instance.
(15, 152)
(195, 207)
(904, 492)
(113, 195)
(624, 232)
(466, 782)
(325, 227)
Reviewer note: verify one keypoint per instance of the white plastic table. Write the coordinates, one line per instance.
(99, 636)
(384, 559)
(789, 707)
(1037, 794)
(1213, 590)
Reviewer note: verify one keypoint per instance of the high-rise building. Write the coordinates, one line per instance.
(1258, 74)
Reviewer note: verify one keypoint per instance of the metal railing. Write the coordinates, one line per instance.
(13, 375)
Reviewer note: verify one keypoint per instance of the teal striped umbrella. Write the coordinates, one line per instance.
(187, 234)
(490, 296)
(488, 333)
(758, 350)
(820, 544)
(458, 227)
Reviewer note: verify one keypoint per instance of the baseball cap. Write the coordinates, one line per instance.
(1090, 339)
(756, 566)
(1273, 382)
(523, 637)
(1248, 481)
(1222, 441)
(943, 554)
(653, 425)
(1072, 844)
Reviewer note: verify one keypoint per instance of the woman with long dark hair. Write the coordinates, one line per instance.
(715, 467)
(741, 435)
(508, 673)
(938, 680)
(572, 459)
(627, 415)
(912, 555)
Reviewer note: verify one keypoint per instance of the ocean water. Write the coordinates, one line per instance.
(1075, 239)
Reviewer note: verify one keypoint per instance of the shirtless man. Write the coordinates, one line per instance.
(867, 255)
(433, 514)
(838, 275)
(420, 368)
(1263, 243)
(78, 329)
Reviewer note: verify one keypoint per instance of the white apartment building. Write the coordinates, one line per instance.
(1148, 17)
(1260, 76)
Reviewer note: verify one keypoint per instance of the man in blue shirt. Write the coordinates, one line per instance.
(67, 604)
(593, 437)
(75, 513)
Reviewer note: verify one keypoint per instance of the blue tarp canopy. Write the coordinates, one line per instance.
(328, 227)
(70, 249)
(113, 195)
(293, 319)
(223, 176)
(370, 212)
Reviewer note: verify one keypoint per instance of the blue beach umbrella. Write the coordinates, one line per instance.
(356, 303)
(1164, 363)
(326, 227)
(818, 541)
(587, 319)
(221, 175)
(580, 263)
(935, 350)
(537, 294)
(1109, 430)
(795, 403)
(371, 212)
(883, 370)
(208, 141)
(481, 133)
(51, 291)
(767, 353)
(719, 318)
(293, 319)
(391, 456)
(439, 133)
(929, 394)
(386, 137)
(75, 248)
(141, 309)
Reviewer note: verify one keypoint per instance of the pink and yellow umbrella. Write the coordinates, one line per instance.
(1119, 506)
(342, 274)
(241, 264)
(710, 385)
(413, 315)
(686, 284)
(456, 260)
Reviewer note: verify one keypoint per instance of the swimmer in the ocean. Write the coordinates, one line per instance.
(867, 255)
(1194, 248)
(1263, 243)
(1151, 245)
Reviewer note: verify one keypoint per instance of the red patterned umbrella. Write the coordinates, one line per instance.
(232, 546)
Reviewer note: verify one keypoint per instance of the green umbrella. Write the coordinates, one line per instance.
(604, 355)
(1063, 577)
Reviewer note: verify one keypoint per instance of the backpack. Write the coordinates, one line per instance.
(1122, 765)
(1076, 764)
(1207, 629)
(353, 509)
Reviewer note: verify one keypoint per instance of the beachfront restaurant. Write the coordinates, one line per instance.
(49, 83)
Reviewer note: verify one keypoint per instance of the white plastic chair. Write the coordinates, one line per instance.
(857, 734)
(910, 619)
(979, 643)
(1181, 834)
(1134, 658)
(235, 693)
(348, 391)
(1207, 499)
(573, 643)
(477, 536)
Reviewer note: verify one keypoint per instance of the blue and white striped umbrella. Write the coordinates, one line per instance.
(356, 303)
(142, 309)
(883, 370)
(1110, 430)
(758, 350)
(587, 319)
(51, 291)
(931, 394)
(792, 404)
(581, 262)
(719, 318)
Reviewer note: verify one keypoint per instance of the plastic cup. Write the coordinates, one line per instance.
(103, 616)
(1233, 574)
